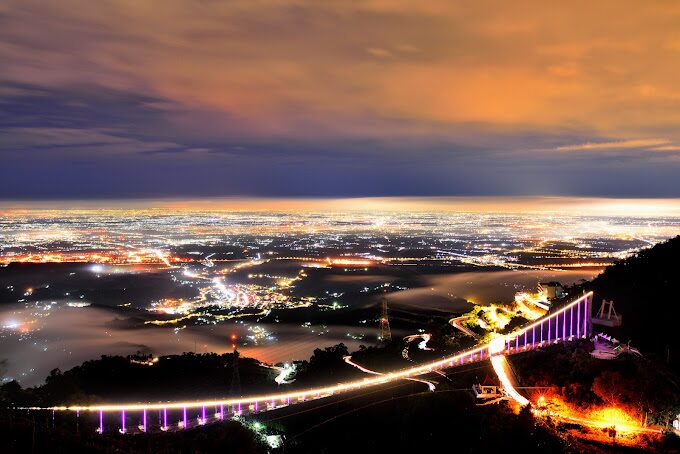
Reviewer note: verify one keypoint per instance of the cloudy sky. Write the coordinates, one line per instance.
(325, 98)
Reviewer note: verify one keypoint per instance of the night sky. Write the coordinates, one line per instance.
(117, 99)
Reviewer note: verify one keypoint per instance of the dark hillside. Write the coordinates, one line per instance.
(646, 291)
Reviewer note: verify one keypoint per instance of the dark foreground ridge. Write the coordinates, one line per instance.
(645, 289)
(399, 417)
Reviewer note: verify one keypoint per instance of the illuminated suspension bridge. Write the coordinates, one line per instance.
(570, 322)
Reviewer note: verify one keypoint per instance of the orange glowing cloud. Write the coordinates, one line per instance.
(343, 68)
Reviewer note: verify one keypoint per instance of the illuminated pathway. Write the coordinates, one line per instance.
(568, 323)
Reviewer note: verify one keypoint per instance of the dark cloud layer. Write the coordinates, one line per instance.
(195, 98)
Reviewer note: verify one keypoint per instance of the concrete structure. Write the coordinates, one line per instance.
(606, 347)
(607, 315)
(551, 290)
(487, 391)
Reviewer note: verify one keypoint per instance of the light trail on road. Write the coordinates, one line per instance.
(284, 372)
(422, 345)
(348, 359)
(500, 365)
(456, 323)
(425, 338)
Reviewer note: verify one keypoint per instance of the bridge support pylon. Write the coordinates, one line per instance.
(589, 313)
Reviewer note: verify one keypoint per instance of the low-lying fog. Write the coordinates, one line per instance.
(453, 292)
(63, 336)
(68, 336)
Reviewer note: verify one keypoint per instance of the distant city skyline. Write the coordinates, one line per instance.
(338, 99)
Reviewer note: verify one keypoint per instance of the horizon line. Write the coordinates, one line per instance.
(643, 206)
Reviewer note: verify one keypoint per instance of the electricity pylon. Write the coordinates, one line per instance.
(385, 333)
(235, 377)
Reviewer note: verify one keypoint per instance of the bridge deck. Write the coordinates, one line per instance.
(572, 321)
